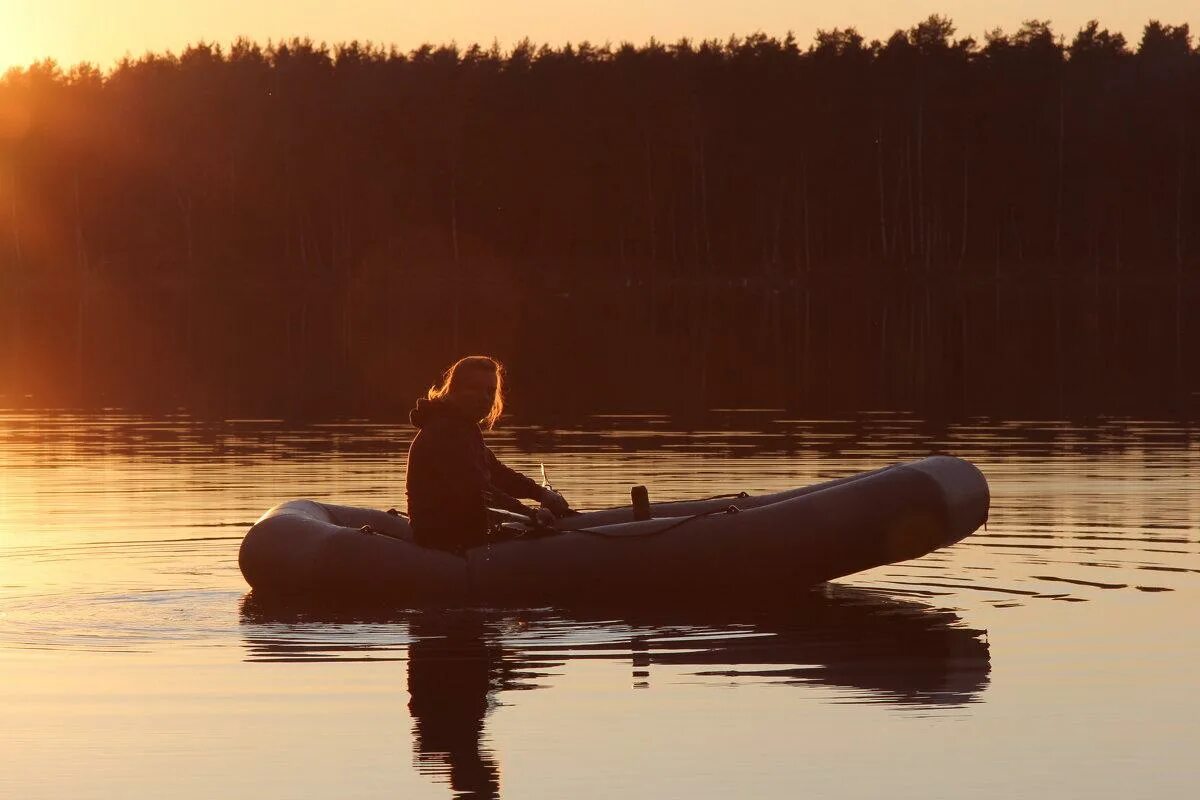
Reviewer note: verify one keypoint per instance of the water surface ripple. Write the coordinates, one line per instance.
(1057, 643)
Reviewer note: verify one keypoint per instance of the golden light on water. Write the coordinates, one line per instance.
(128, 657)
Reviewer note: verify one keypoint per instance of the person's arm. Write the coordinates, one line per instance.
(512, 482)
(494, 498)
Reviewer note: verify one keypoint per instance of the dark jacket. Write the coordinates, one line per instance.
(453, 478)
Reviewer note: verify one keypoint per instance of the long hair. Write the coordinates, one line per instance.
(474, 363)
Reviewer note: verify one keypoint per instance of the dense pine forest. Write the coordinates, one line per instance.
(952, 226)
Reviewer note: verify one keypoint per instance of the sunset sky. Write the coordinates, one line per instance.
(102, 31)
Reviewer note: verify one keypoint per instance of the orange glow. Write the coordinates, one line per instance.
(14, 121)
(83, 30)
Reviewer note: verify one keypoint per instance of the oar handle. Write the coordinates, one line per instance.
(511, 515)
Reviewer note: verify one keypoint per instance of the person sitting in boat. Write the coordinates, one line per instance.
(453, 477)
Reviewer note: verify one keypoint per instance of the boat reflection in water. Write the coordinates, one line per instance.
(871, 646)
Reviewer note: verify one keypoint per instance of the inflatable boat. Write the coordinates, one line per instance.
(737, 545)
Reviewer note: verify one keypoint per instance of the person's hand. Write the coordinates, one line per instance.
(544, 518)
(554, 501)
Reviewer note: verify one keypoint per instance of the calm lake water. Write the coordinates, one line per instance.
(1056, 654)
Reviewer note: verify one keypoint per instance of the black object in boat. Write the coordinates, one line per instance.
(641, 503)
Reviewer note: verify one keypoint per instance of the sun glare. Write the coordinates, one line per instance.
(14, 36)
(21, 35)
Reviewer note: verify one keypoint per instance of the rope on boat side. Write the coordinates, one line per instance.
(731, 509)
(540, 533)
(738, 495)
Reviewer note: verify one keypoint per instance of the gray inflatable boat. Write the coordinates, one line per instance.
(771, 545)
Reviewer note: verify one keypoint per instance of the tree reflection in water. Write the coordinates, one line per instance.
(880, 648)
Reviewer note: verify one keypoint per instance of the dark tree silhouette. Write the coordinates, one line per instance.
(927, 222)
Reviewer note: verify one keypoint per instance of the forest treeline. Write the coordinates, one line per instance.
(928, 222)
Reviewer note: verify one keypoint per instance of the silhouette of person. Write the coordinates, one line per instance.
(451, 672)
(453, 477)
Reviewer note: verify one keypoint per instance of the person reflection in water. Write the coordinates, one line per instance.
(453, 477)
(451, 672)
